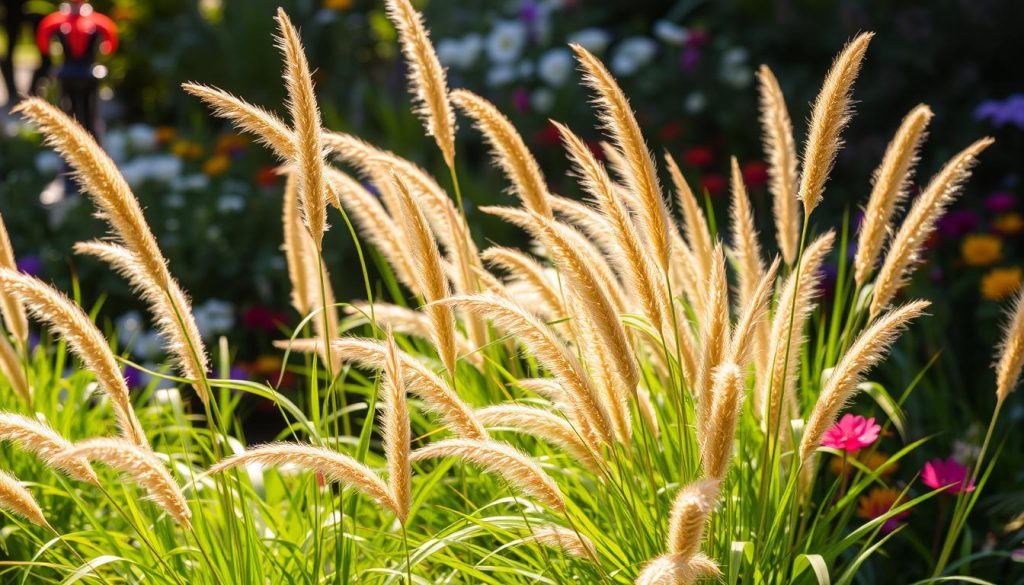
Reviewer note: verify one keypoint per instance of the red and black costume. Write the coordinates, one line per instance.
(82, 32)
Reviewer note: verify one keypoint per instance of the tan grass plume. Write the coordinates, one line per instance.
(265, 126)
(16, 499)
(426, 385)
(429, 274)
(295, 248)
(1011, 351)
(12, 369)
(642, 178)
(567, 540)
(541, 424)
(726, 402)
(182, 338)
(830, 115)
(396, 433)
(551, 353)
(335, 467)
(309, 148)
(714, 334)
(690, 510)
(904, 251)
(674, 569)
(841, 385)
(13, 312)
(780, 150)
(427, 82)
(503, 459)
(525, 269)
(144, 469)
(45, 443)
(746, 251)
(891, 180)
(750, 335)
(84, 339)
(695, 224)
(510, 152)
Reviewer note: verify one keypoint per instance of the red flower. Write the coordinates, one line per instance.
(670, 131)
(698, 156)
(713, 183)
(267, 176)
(549, 135)
(755, 173)
(262, 318)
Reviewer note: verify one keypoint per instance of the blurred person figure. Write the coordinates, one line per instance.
(81, 32)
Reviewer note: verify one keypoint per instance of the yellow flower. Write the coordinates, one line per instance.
(981, 249)
(1000, 283)
(187, 149)
(216, 165)
(267, 364)
(1009, 224)
(338, 4)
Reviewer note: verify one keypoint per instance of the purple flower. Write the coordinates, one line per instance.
(1000, 202)
(239, 373)
(30, 264)
(689, 58)
(133, 377)
(957, 223)
(521, 99)
(1002, 112)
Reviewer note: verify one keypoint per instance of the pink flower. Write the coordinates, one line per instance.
(939, 474)
(851, 433)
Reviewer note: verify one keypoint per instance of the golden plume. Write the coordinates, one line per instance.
(542, 424)
(427, 82)
(44, 442)
(690, 510)
(694, 223)
(335, 467)
(296, 251)
(510, 152)
(890, 188)
(905, 249)
(780, 150)
(142, 466)
(831, 113)
(503, 459)
(726, 402)
(309, 150)
(396, 433)
(1011, 351)
(525, 269)
(714, 334)
(16, 499)
(12, 369)
(841, 385)
(13, 312)
(571, 542)
(745, 249)
(266, 127)
(674, 569)
(84, 339)
(642, 178)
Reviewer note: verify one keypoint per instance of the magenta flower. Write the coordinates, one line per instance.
(948, 474)
(851, 433)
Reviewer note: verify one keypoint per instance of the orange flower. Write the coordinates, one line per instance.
(216, 165)
(267, 365)
(230, 143)
(877, 503)
(1000, 283)
(338, 4)
(981, 249)
(1009, 224)
(165, 134)
(870, 459)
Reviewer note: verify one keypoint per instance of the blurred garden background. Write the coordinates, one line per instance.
(213, 197)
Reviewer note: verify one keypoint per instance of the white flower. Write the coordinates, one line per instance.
(594, 40)
(506, 41)
(48, 162)
(142, 137)
(174, 200)
(735, 56)
(148, 345)
(472, 44)
(525, 69)
(695, 102)
(670, 33)
(555, 66)
(229, 203)
(632, 54)
(165, 168)
(734, 69)
(191, 182)
(501, 75)
(116, 144)
(129, 327)
(448, 51)
(214, 317)
(542, 100)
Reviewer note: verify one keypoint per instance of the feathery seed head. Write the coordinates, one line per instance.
(16, 499)
(780, 151)
(690, 510)
(1011, 351)
(41, 440)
